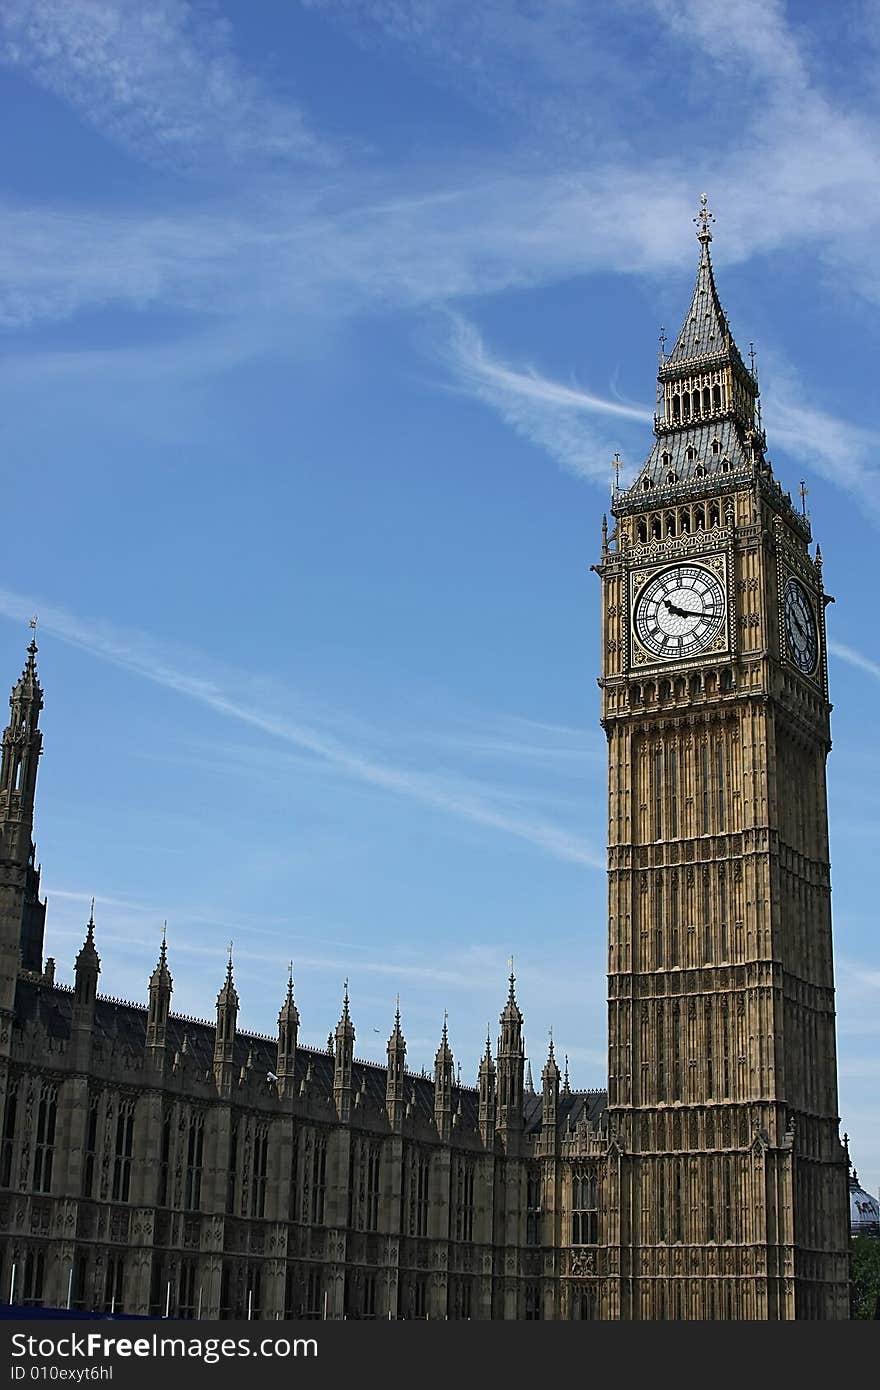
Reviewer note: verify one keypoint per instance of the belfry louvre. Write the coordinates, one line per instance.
(155, 1164)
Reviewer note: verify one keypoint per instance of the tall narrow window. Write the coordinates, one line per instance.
(673, 790)
(259, 1170)
(232, 1168)
(114, 1283)
(34, 1272)
(661, 1199)
(722, 903)
(725, 1048)
(710, 1050)
(719, 780)
(319, 1179)
(422, 1193)
(8, 1142)
(533, 1208)
(658, 921)
(122, 1156)
(464, 1199)
(661, 1054)
(707, 918)
(584, 1209)
(710, 1200)
(704, 777)
(44, 1149)
(91, 1147)
(675, 922)
(164, 1156)
(679, 1206)
(676, 1052)
(371, 1195)
(186, 1289)
(194, 1147)
(727, 1231)
(658, 795)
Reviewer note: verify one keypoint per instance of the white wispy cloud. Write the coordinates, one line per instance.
(839, 450)
(144, 657)
(857, 659)
(160, 77)
(553, 415)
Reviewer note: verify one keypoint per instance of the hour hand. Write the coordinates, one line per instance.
(680, 612)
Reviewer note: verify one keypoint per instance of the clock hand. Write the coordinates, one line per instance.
(681, 612)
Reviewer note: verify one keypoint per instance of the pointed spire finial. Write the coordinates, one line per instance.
(803, 490)
(565, 1085)
(662, 345)
(92, 915)
(702, 219)
(32, 645)
(163, 948)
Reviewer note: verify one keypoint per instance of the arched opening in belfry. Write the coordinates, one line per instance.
(684, 522)
(670, 523)
(655, 527)
(707, 399)
(714, 514)
(716, 396)
(642, 530)
(695, 403)
(699, 519)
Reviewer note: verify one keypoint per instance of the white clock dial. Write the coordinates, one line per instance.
(801, 632)
(680, 612)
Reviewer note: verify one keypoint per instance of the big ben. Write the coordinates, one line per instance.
(725, 1191)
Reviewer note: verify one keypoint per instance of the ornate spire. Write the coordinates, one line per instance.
(88, 955)
(228, 993)
(705, 331)
(345, 1027)
(161, 976)
(511, 1013)
(161, 986)
(702, 219)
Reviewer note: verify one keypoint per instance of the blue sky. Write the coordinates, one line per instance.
(321, 323)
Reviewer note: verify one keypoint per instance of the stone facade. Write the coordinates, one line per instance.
(153, 1163)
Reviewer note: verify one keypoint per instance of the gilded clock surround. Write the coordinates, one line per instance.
(640, 581)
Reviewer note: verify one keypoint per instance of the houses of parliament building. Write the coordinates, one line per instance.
(160, 1165)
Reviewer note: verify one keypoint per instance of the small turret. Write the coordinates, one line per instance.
(22, 914)
(161, 986)
(486, 1083)
(288, 1031)
(343, 1060)
(87, 970)
(511, 1058)
(550, 1096)
(443, 1078)
(227, 1018)
(394, 1101)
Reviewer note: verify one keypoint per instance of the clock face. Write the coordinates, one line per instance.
(680, 612)
(801, 631)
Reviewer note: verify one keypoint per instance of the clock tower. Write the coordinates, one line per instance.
(726, 1186)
